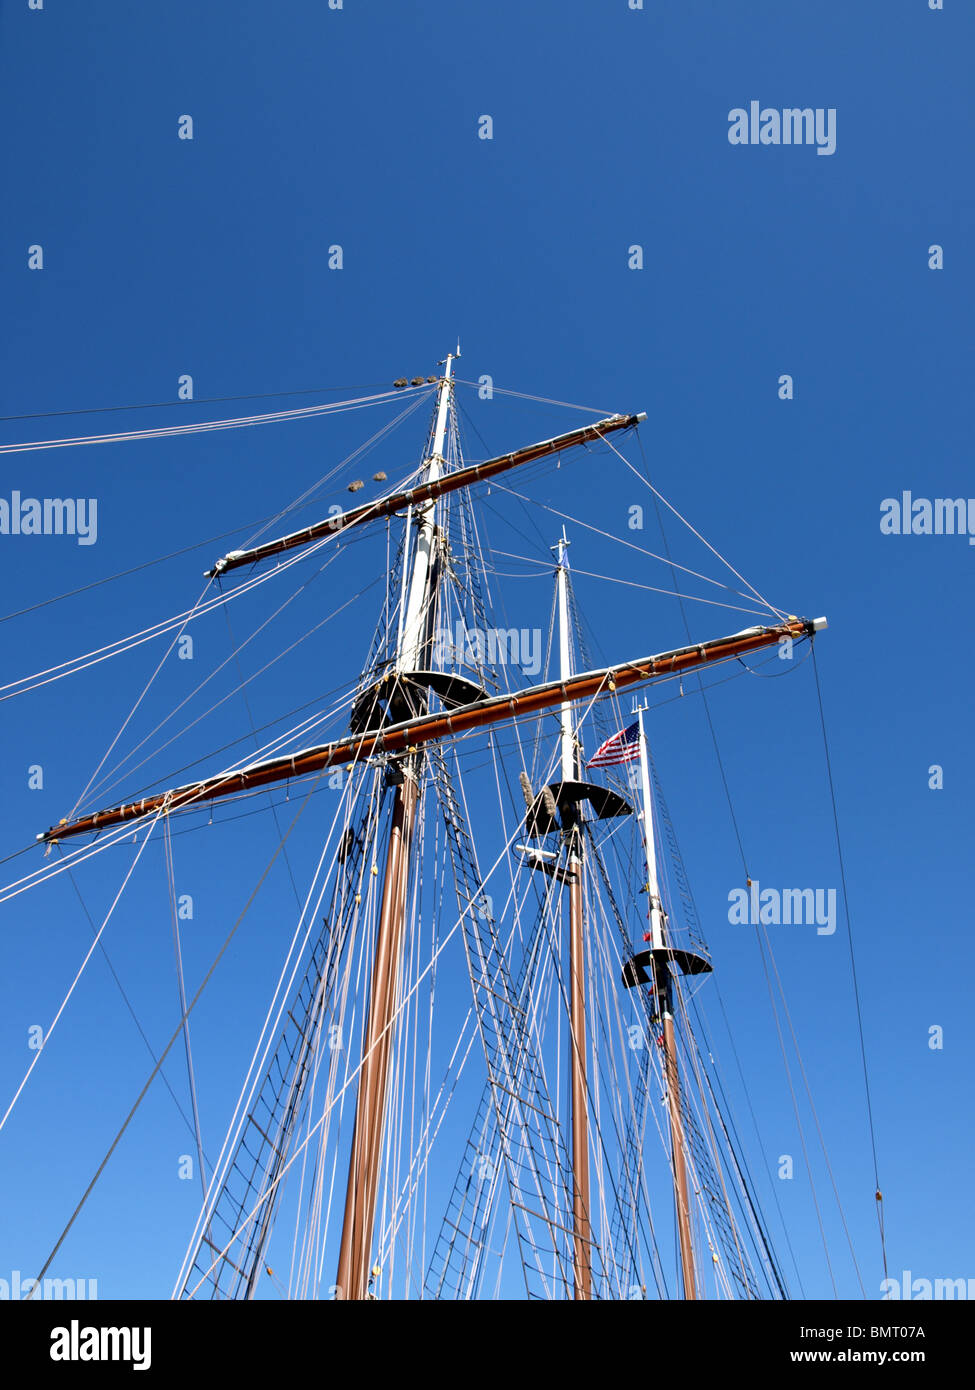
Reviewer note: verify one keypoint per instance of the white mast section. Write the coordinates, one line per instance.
(409, 655)
(649, 842)
(565, 663)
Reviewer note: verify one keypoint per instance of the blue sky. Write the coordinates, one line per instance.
(359, 128)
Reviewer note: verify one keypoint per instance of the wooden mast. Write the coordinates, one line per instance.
(581, 1230)
(353, 1275)
(352, 1279)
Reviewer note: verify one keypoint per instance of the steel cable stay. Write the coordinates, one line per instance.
(706, 1157)
(703, 1184)
(483, 1140)
(481, 1143)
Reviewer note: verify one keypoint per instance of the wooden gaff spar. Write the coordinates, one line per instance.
(413, 733)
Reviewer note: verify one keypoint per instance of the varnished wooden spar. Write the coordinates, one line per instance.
(425, 492)
(396, 738)
(412, 733)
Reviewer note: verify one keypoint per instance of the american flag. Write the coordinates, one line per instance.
(621, 748)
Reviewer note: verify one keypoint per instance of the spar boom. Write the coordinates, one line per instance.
(413, 733)
(425, 492)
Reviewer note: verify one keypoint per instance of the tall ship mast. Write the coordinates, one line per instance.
(481, 1072)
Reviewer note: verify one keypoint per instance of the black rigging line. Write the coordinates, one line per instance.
(853, 967)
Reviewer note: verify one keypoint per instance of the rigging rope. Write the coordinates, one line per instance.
(618, 540)
(200, 400)
(683, 519)
(181, 991)
(81, 970)
(166, 1050)
(853, 969)
(308, 412)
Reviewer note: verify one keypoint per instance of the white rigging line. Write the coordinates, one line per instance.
(120, 832)
(24, 684)
(183, 1274)
(542, 400)
(81, 969)
(361, 450)
(181, 987)
(608, 535)
(267, 1039)
(690, 528)
(629, 583)
(241, 685)
(145, 690)
(204, 426)
(135, 639)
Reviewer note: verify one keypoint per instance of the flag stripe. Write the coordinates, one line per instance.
(622, 747)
